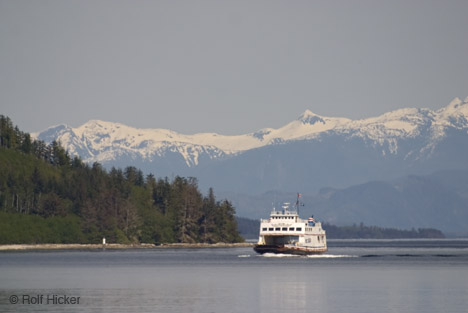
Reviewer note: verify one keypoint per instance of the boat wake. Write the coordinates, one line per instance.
(313, 256)
(331, 256)
(279, 255)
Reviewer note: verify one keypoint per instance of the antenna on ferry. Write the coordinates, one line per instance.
(275, 202)
(297, 203)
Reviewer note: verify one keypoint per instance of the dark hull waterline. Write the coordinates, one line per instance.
(282, 249)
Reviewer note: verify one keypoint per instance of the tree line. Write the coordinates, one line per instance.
(374, 232)
(47, 196)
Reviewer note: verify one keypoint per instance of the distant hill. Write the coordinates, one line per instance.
(439, 201)
(249, 229)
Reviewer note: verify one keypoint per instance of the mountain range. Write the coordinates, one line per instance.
(309, 155)
(306, 154)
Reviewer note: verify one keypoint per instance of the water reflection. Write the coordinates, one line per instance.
(290, 290)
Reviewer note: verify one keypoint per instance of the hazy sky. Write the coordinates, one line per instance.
(226, 66)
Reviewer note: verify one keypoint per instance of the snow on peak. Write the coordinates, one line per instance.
(308, 113)
(98, 124)
(455, 114)
(309, 117)
(455, 107)
(49, 134)
(455, 103)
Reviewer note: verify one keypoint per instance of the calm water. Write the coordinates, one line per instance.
(355, 276)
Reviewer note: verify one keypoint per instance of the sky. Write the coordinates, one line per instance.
(229, 67)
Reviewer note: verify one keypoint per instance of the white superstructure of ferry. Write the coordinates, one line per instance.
(285, 232)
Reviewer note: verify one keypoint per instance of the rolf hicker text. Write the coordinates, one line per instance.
(47, 299)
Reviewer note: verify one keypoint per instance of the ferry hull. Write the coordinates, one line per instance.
(283, 249)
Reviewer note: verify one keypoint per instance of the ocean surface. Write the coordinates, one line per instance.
(354, 276)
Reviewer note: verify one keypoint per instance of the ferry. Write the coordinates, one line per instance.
(286, 233)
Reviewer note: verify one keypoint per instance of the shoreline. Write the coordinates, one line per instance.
(117, 246)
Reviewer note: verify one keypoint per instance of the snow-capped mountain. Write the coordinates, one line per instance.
(315, 150)
(100, 141)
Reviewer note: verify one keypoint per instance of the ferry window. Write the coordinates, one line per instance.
(270, 229)
(278, 228)
(298, 228)
(285, 228)
(264, 229)
(291, 228)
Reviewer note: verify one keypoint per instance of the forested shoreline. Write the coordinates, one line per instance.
(362, 231)
(46, 196)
